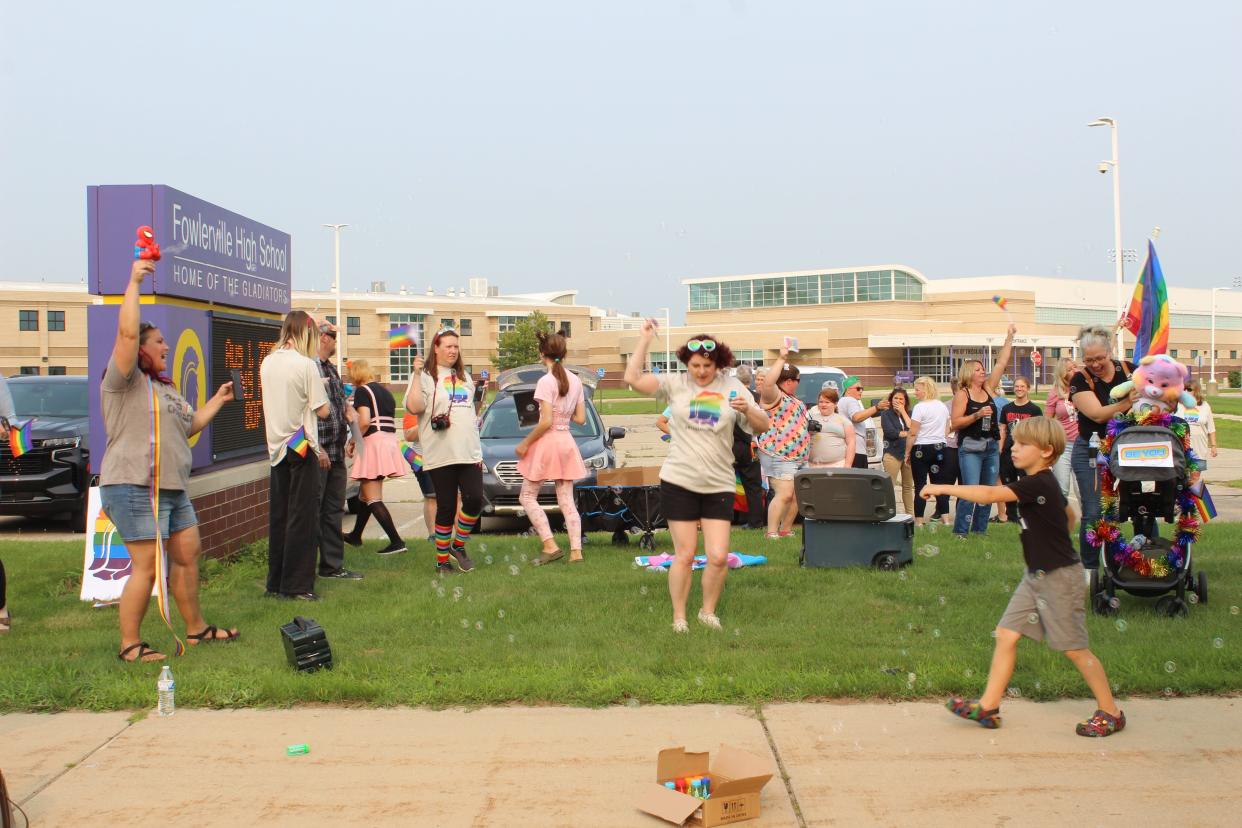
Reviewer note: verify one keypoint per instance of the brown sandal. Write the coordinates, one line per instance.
(144, 649)
(578, 559)
(548, 557)
(208, 636)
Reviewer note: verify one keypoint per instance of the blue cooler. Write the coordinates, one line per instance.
(849, 518)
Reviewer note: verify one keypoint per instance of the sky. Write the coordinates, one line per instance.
(619, 147)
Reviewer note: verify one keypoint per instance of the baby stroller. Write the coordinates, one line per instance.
(1147, 464)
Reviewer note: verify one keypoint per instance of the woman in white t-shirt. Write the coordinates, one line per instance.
(832, 439)
(1202, 426)
(697, 481)
(448, 431)
(550, 452)
(927, 458)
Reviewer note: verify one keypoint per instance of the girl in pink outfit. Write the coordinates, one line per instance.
(550, 452)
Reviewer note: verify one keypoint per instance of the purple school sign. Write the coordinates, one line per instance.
(210, 254)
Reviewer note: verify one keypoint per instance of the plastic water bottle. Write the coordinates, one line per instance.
(166, 689)
(986, 422)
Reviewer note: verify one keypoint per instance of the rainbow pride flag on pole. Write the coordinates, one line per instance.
(298, 443)
(20, 441)
(1203, 505)
(401, 337)
(1148, 316)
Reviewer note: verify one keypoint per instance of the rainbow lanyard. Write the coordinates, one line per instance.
(161, 561)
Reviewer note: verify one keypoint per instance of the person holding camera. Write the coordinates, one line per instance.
(783, 448)
(441, 393)
(851, 406)
(696, 480)
(550, 452)
(832, 435)
(379, 457)
(978, 432)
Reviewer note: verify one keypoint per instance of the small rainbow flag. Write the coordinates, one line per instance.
(298, 442)
(19, 439)
(1001, 302)
(412, 457)
(1204, 505)
(401, 337)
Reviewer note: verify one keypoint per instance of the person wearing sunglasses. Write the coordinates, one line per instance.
(784, 446)
(851, 406)
(696, 480)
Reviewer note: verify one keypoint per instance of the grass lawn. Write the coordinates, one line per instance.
(599, 633)
(630, 407)
(1226, 405)
(1229, 434)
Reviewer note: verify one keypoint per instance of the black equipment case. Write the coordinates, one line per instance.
(306, 645)
(845, 494)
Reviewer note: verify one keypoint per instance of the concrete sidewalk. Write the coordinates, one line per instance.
(844, 764)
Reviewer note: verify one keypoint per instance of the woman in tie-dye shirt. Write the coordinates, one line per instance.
(783, 448)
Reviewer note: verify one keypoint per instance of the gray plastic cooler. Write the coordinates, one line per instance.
(887, 544)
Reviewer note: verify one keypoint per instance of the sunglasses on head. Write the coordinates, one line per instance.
(701, 344)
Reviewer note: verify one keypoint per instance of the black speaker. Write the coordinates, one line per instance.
(306, 645)
(845, 494)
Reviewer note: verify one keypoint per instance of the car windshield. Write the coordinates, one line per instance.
(813, 381)
(500, 422)
(50, 399)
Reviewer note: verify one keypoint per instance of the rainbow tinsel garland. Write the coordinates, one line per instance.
(1106, 532)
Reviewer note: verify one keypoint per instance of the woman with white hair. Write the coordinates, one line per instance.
(1089, 392)
(1059, 407)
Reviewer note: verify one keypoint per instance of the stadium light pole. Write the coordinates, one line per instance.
(336, 288)
(668, 339)
(1237, 283)
(1120, 266)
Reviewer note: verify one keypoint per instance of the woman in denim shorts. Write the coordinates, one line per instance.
(784, 447)
(136, 373)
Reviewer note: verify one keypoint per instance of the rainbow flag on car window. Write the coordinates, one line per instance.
(1148, 316)
(298, 443)
(400, 337)
(20, 441)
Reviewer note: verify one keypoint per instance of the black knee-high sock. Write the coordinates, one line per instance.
(384, 518)
(360, 520)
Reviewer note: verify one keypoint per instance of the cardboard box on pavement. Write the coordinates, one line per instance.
(629, 476)
(738, 777)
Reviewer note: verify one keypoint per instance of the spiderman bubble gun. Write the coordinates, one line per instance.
(145, 247)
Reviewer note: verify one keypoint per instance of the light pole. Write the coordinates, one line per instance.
(336, 288)
(668, 339)
(1237, 283)
(1105, 166)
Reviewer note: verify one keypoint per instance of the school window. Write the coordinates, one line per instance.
(735, 294)
(401, 360)
(447, 323)
(1233, 354)
(469, 370)
(802, 290)
(838, 287)
(30, 370)
(875, 286)
(1172, 353)
(749, 356)
(769, 293)
(506, 323)
(331, 319)
(1194, 354)
(466, 327)
(566, 328)
(55, 320)
(353, 325)
(705, 296)
(56, 370)
(28, 320)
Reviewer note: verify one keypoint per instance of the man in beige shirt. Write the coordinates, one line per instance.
(293, 396)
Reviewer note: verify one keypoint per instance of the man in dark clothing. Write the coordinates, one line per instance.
(746, 464)
(333, 434)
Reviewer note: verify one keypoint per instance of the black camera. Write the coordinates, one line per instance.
(814, 426)
(440, 422)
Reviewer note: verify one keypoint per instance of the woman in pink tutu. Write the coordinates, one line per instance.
(379, 456)
(550, 452)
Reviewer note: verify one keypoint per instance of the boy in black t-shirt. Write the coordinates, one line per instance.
(1049, 602)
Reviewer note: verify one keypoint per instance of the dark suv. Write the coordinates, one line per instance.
(54, 477)
(500, 432)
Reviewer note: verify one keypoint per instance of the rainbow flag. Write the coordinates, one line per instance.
(1001, 302)
(412, 457)
(19, 439)
(739, 494)
(401, 337)
(1204, 505)
(298, 442)
(1148, 316)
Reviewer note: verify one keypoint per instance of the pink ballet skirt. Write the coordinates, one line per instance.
(381, 458)
(554, 456)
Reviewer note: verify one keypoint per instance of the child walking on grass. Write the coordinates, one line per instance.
(1049, 604)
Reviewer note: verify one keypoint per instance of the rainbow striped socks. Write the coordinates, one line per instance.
(461, 533)
(444, 535)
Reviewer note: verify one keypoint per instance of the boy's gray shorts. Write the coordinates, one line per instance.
(1051, 607)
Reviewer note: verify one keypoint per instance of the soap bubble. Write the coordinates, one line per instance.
(523, 557)
(969, 672)
(631, 703)
(737, 631)
(506, 558)
(935, 469)
(1041, 603)
(1233, 610)
(512, 638)
(1121, 625)
(500, 613)
(931, 526)
(457, 593)
(642, 590)
(910, 678)
(478, 625)
(469, 598)
(935, 633)
(1037, 685)
(513, 570)
(1013, 693)
(698, 680)
(465, 623)
(440, 593)
(488, 560)
(902, 575)
(435, 583)
(987, 556)
(1114, 602)
(1170, 666)
(1192, 598)
(943, 600)
(482, 547)
(1218, 643)
(1168, 691)
(1039, 574)
(1033, 618)
(651, 608)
